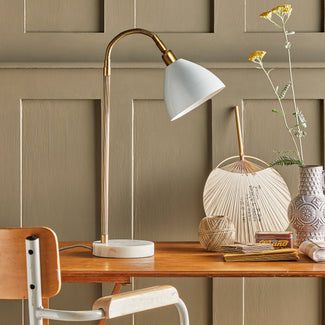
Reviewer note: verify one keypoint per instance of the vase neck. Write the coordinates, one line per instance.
(311, 180)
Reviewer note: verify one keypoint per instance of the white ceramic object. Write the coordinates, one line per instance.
(188, 85)
(124, 248)
(306, 211)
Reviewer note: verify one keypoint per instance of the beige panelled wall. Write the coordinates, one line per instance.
(51, 83)
(49, 125)
(227, 31)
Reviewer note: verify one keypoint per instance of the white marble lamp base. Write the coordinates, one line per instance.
(124, 248)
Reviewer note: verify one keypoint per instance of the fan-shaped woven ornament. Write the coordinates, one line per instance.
(216, 231)
(255, 198)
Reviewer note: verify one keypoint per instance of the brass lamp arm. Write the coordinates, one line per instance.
(168, 56)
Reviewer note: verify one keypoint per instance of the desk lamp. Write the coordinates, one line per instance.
(186, 86)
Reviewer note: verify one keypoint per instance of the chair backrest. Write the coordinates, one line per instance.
(13, 274)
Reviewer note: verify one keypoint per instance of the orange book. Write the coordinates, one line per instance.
(285, 254)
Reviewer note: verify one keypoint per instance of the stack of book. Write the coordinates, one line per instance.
(246, 248)
(257, 253)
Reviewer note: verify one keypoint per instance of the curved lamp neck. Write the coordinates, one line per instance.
(169, 58)
(167, 55)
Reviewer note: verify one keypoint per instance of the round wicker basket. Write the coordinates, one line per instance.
(216, 231)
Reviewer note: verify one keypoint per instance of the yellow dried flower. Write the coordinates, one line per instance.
(281, 9)
(256, 56)
(266, 15)
(287, 10)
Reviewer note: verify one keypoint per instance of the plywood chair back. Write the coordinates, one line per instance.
(13, 283)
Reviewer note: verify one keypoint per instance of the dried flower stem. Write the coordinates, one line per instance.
(301, 155)
(282, 14)
(282, 109)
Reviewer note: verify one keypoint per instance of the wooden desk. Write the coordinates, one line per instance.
(174, 259)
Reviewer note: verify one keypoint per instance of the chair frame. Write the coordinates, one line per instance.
(167, 295)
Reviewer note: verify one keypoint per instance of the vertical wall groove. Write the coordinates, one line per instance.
(132, 175)
(20, 163)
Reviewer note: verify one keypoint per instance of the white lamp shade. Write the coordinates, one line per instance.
(188, 85)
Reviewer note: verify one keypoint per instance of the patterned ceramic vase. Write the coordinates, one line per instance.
(306, 211)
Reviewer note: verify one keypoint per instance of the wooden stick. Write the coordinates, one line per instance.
(239, 135)
(102, 321)
(117, 288)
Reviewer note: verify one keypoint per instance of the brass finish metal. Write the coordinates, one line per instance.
(105, 159)
(168, 57)
(104, 238)
(159, 43)
(156, 39)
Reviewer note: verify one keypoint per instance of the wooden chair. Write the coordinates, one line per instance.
(30, 269)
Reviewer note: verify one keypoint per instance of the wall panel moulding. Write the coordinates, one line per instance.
(202, 31)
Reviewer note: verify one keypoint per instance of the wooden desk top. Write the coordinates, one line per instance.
(174, 259)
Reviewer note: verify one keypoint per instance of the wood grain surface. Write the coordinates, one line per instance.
(136, 301)
(13, 262)
(176, 259)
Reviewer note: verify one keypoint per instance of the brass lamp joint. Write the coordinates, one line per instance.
(169, 57)
(104, 239)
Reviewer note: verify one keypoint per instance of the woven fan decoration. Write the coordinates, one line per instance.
(254, 197)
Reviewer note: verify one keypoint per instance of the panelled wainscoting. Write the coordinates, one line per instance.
(51, 91)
